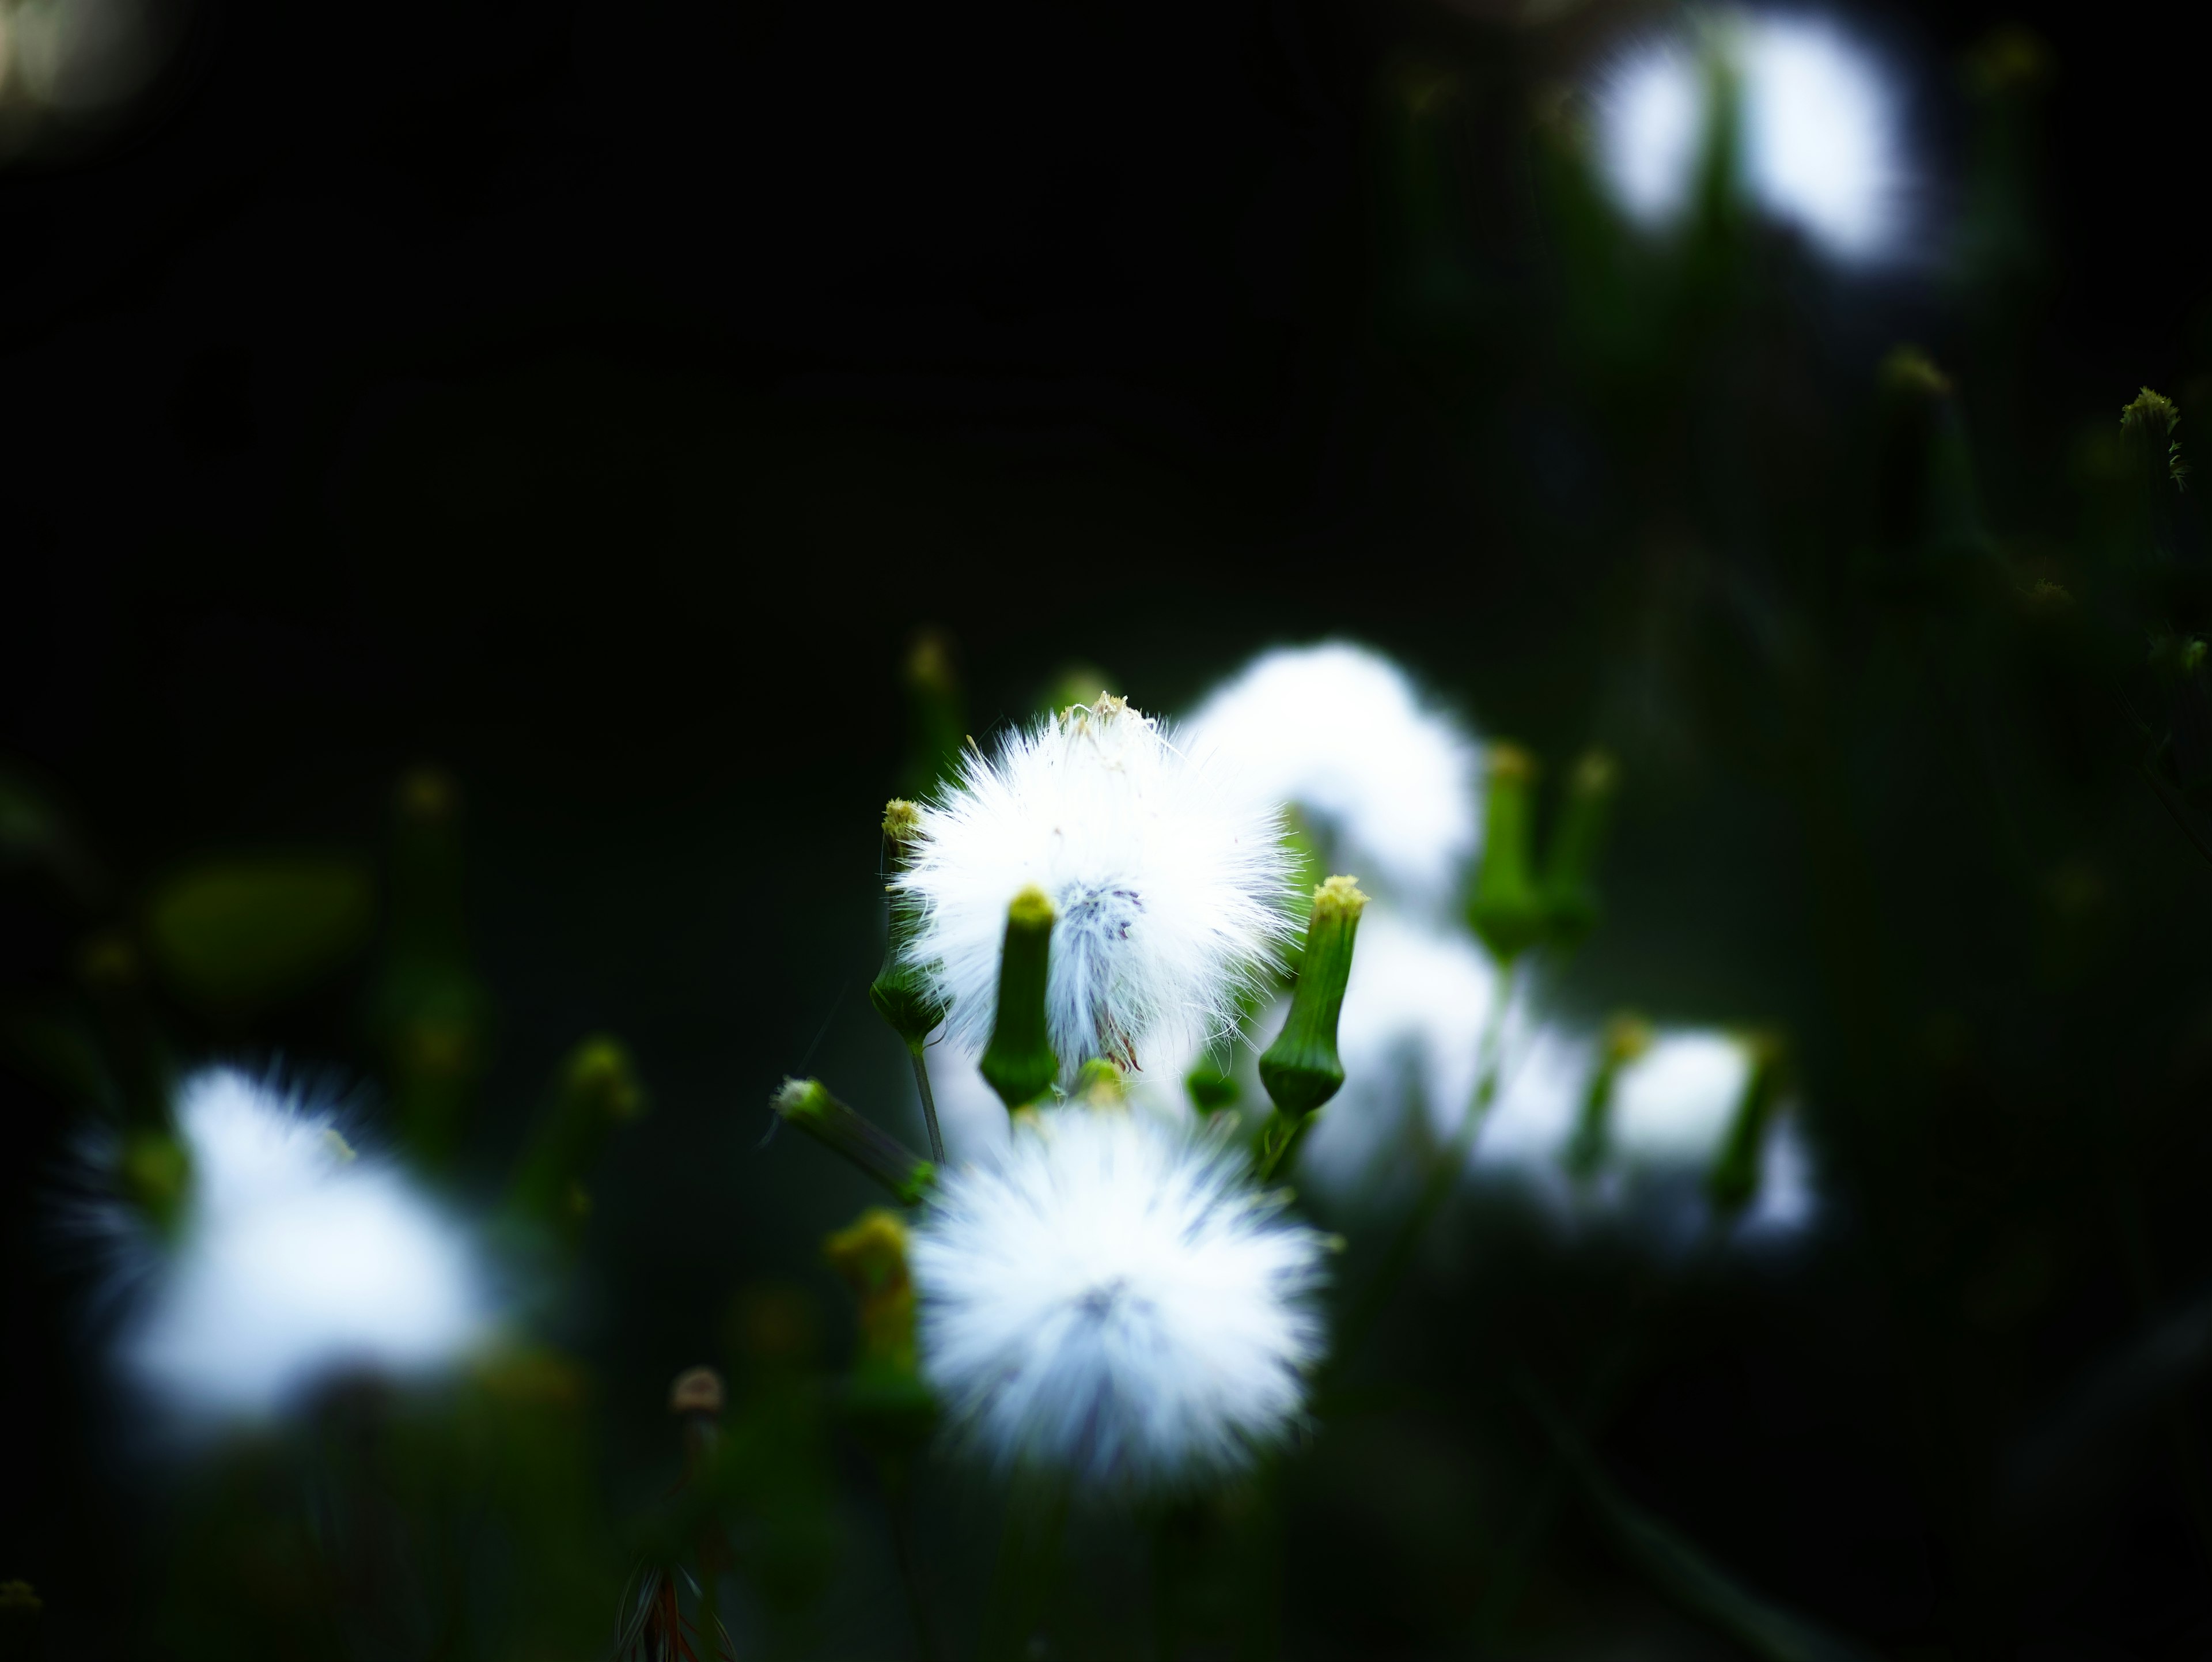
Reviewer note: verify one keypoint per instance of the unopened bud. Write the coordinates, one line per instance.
(1100, 1084)
(1506, 911)
(871, 1256)
(806, 1104)
(1626, 1038)
(1577, 843)
(1301, 1069)
(1018, 1061)
(1733, 1183)
(904, 994)
(596, 1090)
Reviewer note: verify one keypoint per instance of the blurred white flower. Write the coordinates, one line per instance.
(1170, 878)
(1340, 730)
(295, 1259)
(1111, 1297)
(1822, 133)
(1410, 1036)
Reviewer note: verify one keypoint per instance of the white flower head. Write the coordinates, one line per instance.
(1169, 880)
(1111, 1297)
(1822, 132)
(295, 1259)
(1340, 731)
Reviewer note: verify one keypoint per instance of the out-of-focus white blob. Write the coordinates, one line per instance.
(1651, 110)
(1410, 1037)
(294, 1260)
(1340, 732)
(1673, 1104)
(1822, 130)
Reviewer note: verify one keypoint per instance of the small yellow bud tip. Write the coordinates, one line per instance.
(340, 1149)
(1340, 897)
(929, 662)
(1626, 1038)
(602, 1068)
(696, 1390)
(902, 820)
(428, 796)
(1031, 909)
(1596, 773)
(872, 1253)
(1511, 761)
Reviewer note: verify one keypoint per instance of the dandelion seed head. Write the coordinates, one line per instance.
(1169, 877)
(295, 1259)
(1110, 1297)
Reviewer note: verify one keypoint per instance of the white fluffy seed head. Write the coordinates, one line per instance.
(295, 1259)
(1340, 731)
(1170, 878)
(1109, 1298)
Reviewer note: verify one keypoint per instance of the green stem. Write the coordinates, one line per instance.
(1029, 1564)
(1444, 1168)
(909, 1569)
(928, 1103)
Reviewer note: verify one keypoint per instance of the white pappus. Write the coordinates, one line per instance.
(1342, 731)
(294, 1259)
(1111, 1299)
(1169, 879)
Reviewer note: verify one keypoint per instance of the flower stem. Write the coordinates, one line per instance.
(928, 1103)
(909, 1569)
(1029, 1564)
(1444, 1168)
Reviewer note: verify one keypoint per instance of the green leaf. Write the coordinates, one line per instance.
(1679, 1568)
(236, 936)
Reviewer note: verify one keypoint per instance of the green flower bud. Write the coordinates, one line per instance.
(1210, 1086)
(596, 1090)
(1569, 875)
(886, 1402)
(1301, 1069)
(1507, 912)
(1926, 501)
(1626, 1038)
(1018, 1061)
(904, 995)
(806, 1104)
(1733, 1183)
(936, 727)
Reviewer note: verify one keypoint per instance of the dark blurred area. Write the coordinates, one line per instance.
(590, 405)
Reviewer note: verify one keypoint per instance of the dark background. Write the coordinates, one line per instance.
(593, 401)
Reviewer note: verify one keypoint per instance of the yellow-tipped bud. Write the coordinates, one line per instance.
(1506, 911)
(1018, 1061)
(807, 1104)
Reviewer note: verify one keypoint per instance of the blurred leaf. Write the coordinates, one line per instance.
(237, 935)
(1677, 1566)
